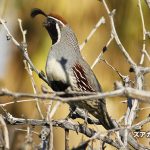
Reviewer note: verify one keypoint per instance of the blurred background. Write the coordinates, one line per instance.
(81, 15)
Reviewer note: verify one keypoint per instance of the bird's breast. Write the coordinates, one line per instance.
(55, 71)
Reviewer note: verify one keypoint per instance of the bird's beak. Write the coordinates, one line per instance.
(46, 24)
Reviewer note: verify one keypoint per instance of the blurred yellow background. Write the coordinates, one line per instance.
(81, 15)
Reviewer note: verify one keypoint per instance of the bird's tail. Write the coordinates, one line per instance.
(104, 117)
(106, 121)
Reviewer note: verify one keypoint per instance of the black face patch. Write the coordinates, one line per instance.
(50, 25)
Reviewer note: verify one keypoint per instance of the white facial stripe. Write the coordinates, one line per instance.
(59, 34)
(57, 20)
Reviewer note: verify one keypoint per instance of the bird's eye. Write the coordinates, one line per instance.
(51, 21)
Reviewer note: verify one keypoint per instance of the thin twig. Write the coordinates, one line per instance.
(80, 113)
(144, 52)
(99, 57)
(28, 67)
(34, 89)
(66, 139)
(17, 101)
(51, 137)
(123, 77)
(144, 108)
(5, 132)
(9, 34)
(23, 50)
(49, 119)
(97, 60)
(24, 130)
(148, 3)
(131, 113)
(54, 109)
(99, 23)
(114, 33)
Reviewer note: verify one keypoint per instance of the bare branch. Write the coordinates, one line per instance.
(17, 101)
(66, 139)
(5, 132)
(148, 3)
(140, 95)
(66, 124)
(50, 129)
(23, 130)
(79, 113)
(9, 34)
(99, 57)
(28, 67)
(144, 52)
(99, 23)
(97, 60)
(114, 33)
(24, 52)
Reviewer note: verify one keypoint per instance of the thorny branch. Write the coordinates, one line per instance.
(66, 124)
(131, 111)
(70, 125)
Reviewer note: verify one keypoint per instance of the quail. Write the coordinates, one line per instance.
(66, 68)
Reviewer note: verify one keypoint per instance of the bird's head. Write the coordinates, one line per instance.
(53, 24)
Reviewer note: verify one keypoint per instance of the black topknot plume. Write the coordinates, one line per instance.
(37, 11)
